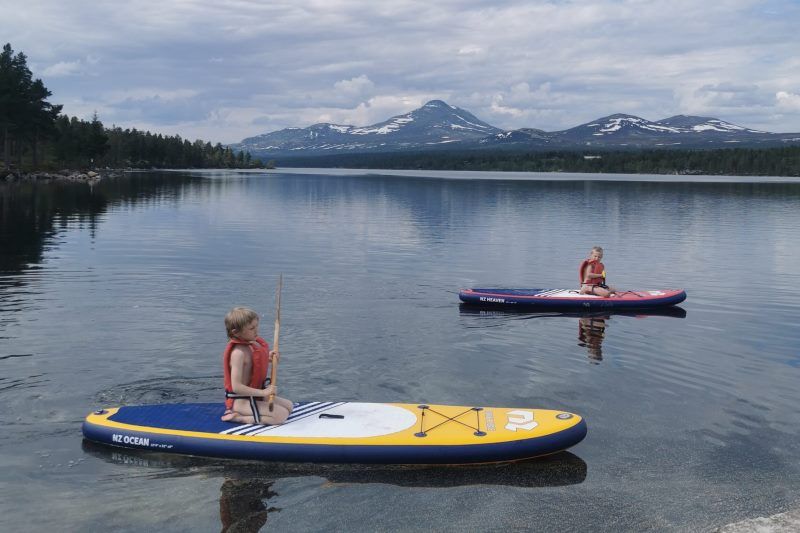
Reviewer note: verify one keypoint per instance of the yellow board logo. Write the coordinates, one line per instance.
(520, 420)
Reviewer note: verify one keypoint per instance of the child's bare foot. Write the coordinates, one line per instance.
(239, 418)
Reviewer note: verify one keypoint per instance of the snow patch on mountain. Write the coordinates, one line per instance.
(720, 125)
(439, 104)
(393, 125)
(615, 124)
(688, 123)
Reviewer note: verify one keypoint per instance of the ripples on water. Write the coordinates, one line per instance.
(116, 295)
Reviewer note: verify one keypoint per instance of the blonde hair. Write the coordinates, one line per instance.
(237, 318)
(597, 249)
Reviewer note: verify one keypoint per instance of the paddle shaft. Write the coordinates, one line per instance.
(273, 376)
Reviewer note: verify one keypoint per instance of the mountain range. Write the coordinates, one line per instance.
(440, 126)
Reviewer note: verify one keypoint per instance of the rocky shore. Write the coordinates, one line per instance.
(80, 176)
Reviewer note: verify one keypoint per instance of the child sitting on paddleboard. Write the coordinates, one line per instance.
(593, 275)
(246, 362)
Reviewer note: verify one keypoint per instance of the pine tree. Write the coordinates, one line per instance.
(97, 140)
(25, 114)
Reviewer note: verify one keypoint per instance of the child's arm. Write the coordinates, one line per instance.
(237, 376)
(587, 274)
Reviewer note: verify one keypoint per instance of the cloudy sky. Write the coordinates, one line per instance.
(223, 70)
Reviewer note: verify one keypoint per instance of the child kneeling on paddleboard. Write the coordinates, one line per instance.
(246, 362)
(593, 275)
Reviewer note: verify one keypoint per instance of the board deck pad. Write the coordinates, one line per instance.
(345, 432)
(357, 420)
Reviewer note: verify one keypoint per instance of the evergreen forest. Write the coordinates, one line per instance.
(35, 135)
(784, 161)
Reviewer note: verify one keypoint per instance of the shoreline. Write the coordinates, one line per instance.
(74, 176)
(498, 175)
(96, 175)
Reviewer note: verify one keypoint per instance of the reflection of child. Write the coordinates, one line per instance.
(591, 331)
(246, 364)
(242, 504)
(593, 275)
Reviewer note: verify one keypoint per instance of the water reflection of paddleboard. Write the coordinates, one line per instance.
(344, 432)
(673, 311)
(555, 470)
(571, 299)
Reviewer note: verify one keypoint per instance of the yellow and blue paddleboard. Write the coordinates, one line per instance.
(344, 432)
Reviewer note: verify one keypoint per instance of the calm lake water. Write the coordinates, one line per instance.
(115, 295)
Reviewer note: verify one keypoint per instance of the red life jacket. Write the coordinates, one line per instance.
(260, 367)
(597, 268)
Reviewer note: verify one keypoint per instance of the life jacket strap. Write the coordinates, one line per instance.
(253, 401)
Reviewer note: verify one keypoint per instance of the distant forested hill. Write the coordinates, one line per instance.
(729, 161)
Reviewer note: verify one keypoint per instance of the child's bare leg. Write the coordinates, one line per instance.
(239, 418)
(242, 413)
(278, 415)
(288, 404)
(606, 291)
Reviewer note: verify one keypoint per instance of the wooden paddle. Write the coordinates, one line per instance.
(273, 376)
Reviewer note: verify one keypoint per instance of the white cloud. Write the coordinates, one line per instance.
(499, 107)
(151, 93)
(788, 101)
(354, 86)
(62, 68)
(471, 50)
(201, 66)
